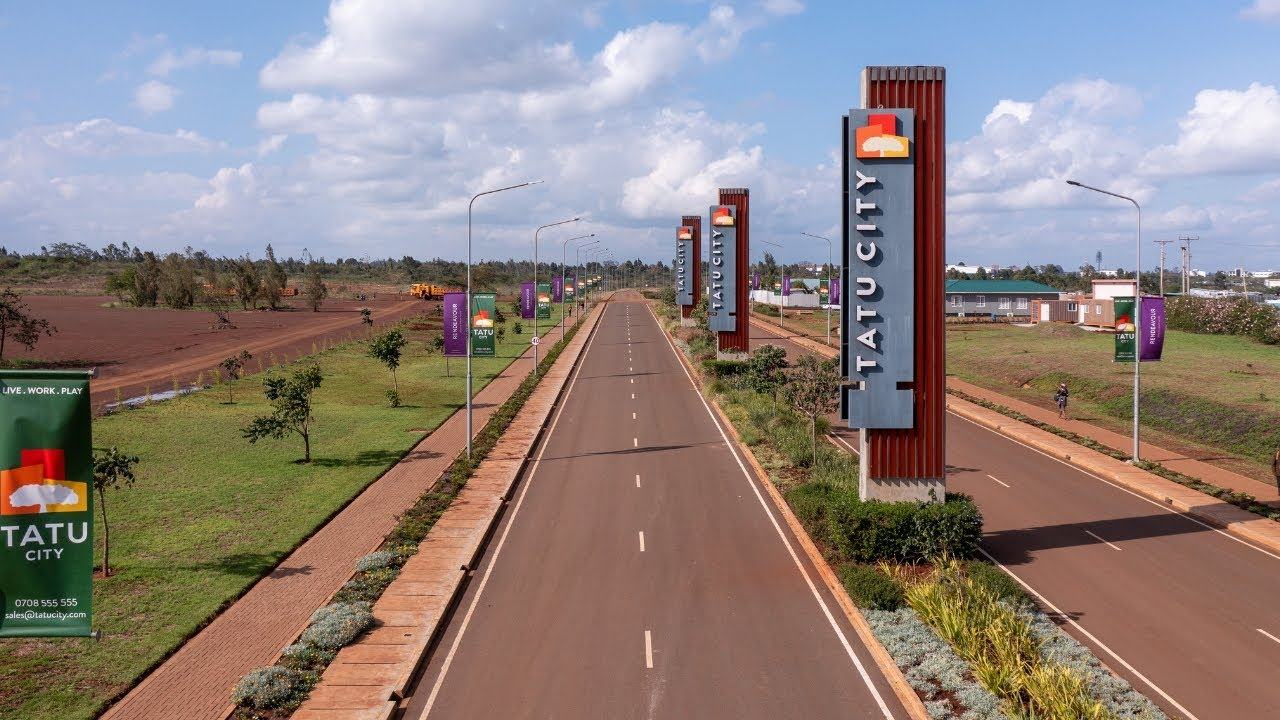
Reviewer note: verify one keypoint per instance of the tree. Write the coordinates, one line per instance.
(233, 365)
(120, 284)
(146, 281)
(291, 400)
(814, 391)
(248, 285)
(274, 280)
(385, 348)
(366, 316)
(178, 286)
(17, 324)
(314, 291)
(765, 369)
(112, 469)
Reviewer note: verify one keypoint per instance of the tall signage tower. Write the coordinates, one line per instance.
(693, 268)
(892, 348)
(732, 327)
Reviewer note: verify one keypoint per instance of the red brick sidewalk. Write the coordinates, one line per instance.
(1124, 443)
(196, 681)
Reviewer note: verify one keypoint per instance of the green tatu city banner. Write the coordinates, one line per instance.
(46, 504)
(823, 294)
(543, 294)
(483, 311)
(1126, 330)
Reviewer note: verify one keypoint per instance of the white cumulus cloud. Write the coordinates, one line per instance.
(170, 61)
(1267, 10)
(1228, 131)
(154, 96)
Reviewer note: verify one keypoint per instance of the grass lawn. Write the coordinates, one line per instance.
(210, 513)
(1215, 392)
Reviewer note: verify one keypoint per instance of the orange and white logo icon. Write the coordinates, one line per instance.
(482, 319)
(39, 485)
(721, 217)
(684, 233)
(879, 139)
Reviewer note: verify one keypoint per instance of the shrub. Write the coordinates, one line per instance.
(335, 625)
(870, 588)
(301, 656)
(393, 398)
(273, 687)
(997, 582)
(379, 559)
(724, 368)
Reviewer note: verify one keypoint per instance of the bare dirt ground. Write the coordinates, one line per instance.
(139, 348)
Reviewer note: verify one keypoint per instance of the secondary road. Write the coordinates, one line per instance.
(1183, 611)
(640, 571)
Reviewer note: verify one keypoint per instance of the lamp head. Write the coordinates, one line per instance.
(1073, 182)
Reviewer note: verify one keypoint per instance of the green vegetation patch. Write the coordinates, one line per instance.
(210, 514)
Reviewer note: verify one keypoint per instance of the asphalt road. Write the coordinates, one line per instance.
(640, 572)
(1186, 613)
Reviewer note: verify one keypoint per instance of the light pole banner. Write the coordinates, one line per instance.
(835, 291)
(483, 310)
(786, 286)
(684, 256)
(1126, 330)
(526, 301)
(455, 324)
(544, 301)
(568, 290)
(46, 504)
(1152, 342)
(755, 281)
(824, 296)
(722, 296)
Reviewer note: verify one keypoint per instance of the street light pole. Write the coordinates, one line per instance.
(577, 264)
(473, 200)
(828, 282)
(535, 287)
(1137, 289)
(782, 299)
(563, 248)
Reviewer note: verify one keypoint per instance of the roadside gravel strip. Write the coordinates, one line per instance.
(368, 678)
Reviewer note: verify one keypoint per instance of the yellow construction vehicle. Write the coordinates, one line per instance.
(428, 291)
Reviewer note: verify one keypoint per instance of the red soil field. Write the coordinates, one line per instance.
(137, 348)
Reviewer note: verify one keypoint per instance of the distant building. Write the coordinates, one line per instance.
(960, 267)
(1005, 298)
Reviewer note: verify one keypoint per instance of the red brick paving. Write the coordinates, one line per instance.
(196, 681)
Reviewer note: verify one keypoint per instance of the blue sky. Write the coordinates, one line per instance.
(357, 129)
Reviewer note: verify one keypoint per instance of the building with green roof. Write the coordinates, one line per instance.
(1004, 298)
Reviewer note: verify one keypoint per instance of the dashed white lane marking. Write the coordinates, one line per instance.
(635, 442)
(631, 368)
(633, 396)
(1273, 637)
(641, 541)
(993, 477)
(1089, 635)
(637, 481)
(633, 381)
(1095, 537)
(633, 416)
(648, 650)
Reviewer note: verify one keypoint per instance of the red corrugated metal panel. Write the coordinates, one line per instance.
(695, 222)
(918, 453)
(739, 339)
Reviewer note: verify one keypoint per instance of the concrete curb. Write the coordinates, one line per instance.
(906, 695)
(368, 678)
(801, 340)
(1206, 508)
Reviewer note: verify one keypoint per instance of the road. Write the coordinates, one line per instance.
(640, 572)
(1183, 611)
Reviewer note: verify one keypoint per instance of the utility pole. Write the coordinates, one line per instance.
(1162, 243)
(1186, 262)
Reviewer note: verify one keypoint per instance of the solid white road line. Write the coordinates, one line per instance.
(826, 611)
(845, 443)
(1140, 496)
(1089, 635)
(641, 541)
(1264, 632)
(648, 650)
(1095, 537)
(993, 477)
(502, 541)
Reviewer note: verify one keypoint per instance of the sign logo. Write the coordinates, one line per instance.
(879, 139)
(39, 485)
(543, 296)
(721, 217)
(684, 233)
(1124, 323)
(482, 320)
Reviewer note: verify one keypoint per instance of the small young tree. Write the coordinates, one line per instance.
(314, 291)
(17, 324)
(366, 316)
(112, 469)
(274, 280)
(291, 400)
(814, 390)
(233, 365)
(386, 348)
(766, 372)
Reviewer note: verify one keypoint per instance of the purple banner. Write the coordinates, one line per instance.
(786, 286)
(755, 281)
(1151, 329)
(557, 290)
(835, 292)
(526, 301)
(455, 324)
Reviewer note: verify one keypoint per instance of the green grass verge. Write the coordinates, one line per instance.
(210, 513)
